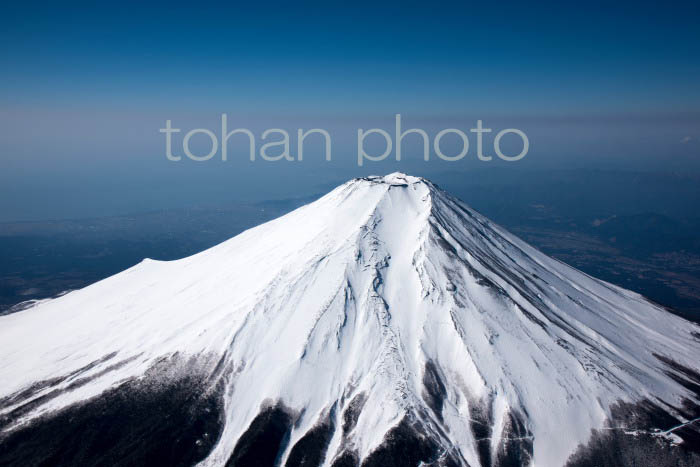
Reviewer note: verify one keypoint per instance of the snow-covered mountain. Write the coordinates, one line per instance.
(385, 324)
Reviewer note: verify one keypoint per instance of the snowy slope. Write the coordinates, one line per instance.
(386, 300)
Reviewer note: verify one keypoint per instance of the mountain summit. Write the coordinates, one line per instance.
(385, 324)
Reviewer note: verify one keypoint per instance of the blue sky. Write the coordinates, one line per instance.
(372, 57)
(84, 88)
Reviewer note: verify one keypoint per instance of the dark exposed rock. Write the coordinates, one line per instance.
(169, 422)
(346, 459)
(405, 445)
(352, 412)
(516, 444)
(310, 450)
(636, 438)
(620, 449)
(481, 424)
(435, 391)
(264, 439)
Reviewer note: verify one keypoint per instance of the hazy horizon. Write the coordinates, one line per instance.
(605, 87)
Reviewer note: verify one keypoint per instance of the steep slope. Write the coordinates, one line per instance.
(384, 324)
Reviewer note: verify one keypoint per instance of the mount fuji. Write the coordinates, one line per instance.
(385, 324)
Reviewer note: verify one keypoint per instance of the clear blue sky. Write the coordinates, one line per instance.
(85, 87)
(427, 56)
